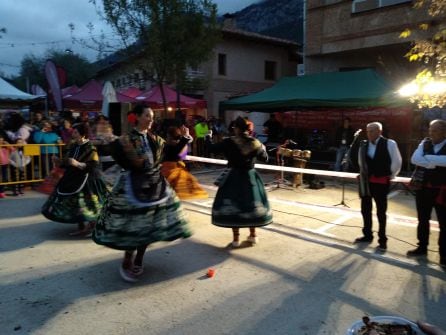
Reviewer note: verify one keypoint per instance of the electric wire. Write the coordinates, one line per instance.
(323, 221)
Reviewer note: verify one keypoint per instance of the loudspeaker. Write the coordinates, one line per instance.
(117, 114)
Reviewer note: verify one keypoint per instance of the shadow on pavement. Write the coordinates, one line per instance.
(37, 297)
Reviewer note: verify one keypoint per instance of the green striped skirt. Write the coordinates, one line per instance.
(125, 225)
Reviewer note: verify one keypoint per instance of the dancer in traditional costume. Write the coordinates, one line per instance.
(80, 194)
(241, 199)
(142, 208)
(173, 168)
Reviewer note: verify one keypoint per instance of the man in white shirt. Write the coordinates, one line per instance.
(380, 161)
(431, 155)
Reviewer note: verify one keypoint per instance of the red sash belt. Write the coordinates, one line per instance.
(441, 197)
(379, 180)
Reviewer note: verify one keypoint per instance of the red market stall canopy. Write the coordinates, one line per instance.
(90, 96)
(154, 99)
(131, 92)
(69, 91)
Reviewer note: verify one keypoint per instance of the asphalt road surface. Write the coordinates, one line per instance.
(304, 277)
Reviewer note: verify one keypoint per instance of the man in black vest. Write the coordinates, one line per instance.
(432, 158)
(380, 161)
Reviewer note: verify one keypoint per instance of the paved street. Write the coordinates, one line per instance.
(304, 277)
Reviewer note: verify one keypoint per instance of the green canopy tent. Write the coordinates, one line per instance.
(354, 92)
(360, 89)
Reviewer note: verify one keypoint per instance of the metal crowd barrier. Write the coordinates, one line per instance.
(33, 166)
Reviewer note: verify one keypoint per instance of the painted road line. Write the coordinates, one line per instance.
(332, 224)
(37, 218)
(406, 221)
(370, 251)
(393, 194)
(402, 220)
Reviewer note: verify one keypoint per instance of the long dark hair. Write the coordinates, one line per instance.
(241, 124)
(15, 121)
(82, 129)
(139, 109)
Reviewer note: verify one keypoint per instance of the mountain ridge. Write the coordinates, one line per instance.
(276, 18)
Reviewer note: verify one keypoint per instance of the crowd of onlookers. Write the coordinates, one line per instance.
(53, 133)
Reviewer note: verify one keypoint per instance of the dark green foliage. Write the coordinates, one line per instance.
(32, 69)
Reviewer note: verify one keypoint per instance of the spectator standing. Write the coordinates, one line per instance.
(50, 146)
(38, 121)
(201, 130)
(18, 161)
(17, 128)
(66, 132)
(103, 136)
(343, 139)
(4, 163)
(273, 129)
(219, 130)
(431, 155)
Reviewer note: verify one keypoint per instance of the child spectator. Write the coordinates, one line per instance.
(4, 162)
(67, 131)
(18, 161)
(50, 140)
(101, 140)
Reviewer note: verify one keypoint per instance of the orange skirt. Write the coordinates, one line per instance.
(185, 184)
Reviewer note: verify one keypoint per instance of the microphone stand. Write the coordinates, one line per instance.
(344, 164)
(342, 203)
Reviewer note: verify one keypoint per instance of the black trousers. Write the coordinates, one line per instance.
(425, 201)
(378, 193)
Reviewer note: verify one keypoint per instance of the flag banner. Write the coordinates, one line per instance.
(52, 77)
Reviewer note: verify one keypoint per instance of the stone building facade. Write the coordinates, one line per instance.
(345, 34)
(242, 63)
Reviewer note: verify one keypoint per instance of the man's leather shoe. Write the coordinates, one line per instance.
(364, 239)
(417, 252)
(382, 246)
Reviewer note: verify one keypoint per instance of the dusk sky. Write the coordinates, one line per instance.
(36, 26)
